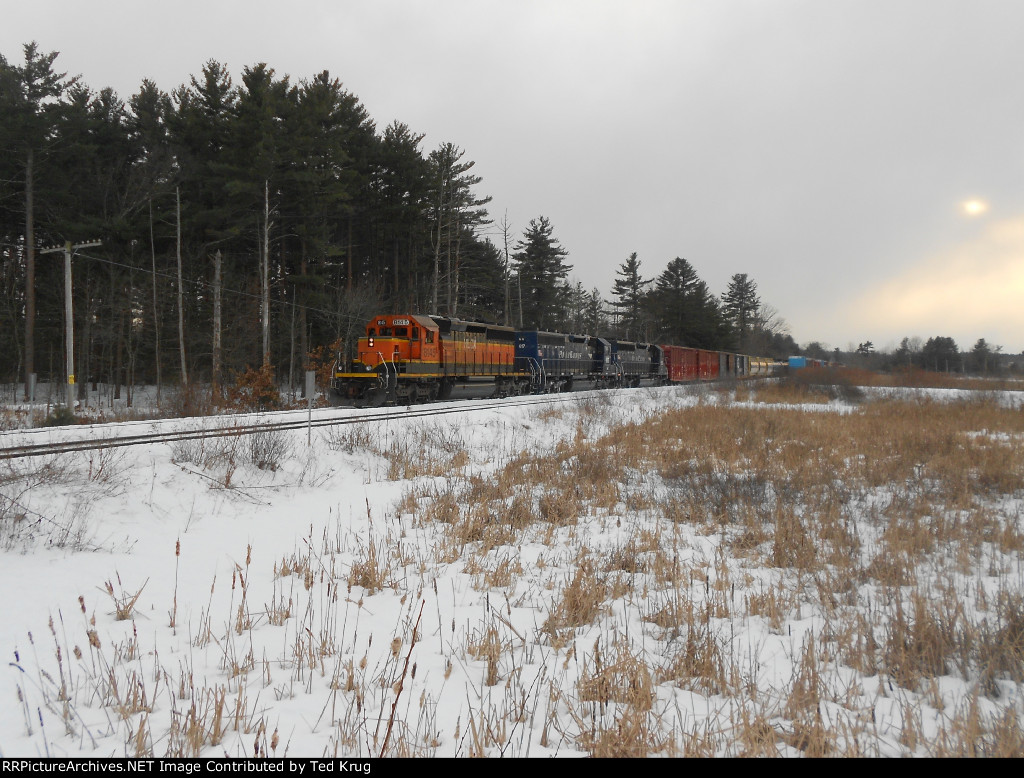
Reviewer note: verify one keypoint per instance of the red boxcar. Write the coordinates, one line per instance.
(707, 364)
(682, 363)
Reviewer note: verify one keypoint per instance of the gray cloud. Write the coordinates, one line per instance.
(822, 147)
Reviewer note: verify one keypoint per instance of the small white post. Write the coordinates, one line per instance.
(310, 391)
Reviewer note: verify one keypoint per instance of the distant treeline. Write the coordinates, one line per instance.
(938, 354)
(255, 224)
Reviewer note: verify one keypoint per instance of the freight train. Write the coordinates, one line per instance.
(409, 358)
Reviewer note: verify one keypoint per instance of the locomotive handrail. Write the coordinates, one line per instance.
(384, 364)
(389, 373)
(537, 371)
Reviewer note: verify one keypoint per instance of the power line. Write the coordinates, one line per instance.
(195, 283)
(200, 284)
(68, 248)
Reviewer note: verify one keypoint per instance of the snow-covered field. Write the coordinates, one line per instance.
(371, 589)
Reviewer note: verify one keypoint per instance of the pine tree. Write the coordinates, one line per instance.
(329, 141)
(481, 289)
(983, 356)
(455, 209)
(629, 290)
(903, 357)
(740, 305)
(102, 198)
(595, 314)
(154, 170)
(31, 99)
(202, 131)
(399, 190)
(684, 311)
(577, 300)
(941, 354)
(541, 271)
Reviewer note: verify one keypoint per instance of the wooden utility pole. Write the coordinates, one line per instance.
(266, 274)
(215, 376)
(30, 281)
(68, 248)
(156, 310)
(181, 295)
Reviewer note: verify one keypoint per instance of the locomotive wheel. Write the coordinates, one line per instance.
(374, 398)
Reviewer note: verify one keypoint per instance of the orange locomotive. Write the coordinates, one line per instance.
(408, 358)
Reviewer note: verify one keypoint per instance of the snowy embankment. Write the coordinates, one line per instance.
(473, 584)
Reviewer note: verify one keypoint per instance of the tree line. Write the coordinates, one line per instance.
(255, 224)
(937, 354)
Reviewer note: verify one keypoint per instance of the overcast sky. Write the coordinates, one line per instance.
(827, 148)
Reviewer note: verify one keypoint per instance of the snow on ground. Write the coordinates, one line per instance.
(241, 631)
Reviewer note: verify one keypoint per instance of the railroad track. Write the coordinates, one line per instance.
(294, 422)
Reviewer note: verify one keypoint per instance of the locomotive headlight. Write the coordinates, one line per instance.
(369, 342)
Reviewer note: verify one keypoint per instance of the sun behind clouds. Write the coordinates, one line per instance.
(970, 290)
(974, 207)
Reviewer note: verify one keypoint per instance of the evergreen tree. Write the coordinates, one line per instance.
(154, 172)
(941, 354)
(31, 99)
(577, 301)
(202, 131)
(12, 224)
(585, 312)
(329, 140)
(334, 148)
(683, 309)
(902, 357)
(150, 108)
(278, 182)
(740, 305)
(481, 289)
(595, 314)
(780, 345)
(455, 208)
(816, 350)
(629, 290)
(102, 199)
(983, 357)
(541, 271)
(400, 191)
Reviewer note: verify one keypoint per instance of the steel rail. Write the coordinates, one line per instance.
(407, 412)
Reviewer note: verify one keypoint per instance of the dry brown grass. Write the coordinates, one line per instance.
(786, 488)
(877, 549)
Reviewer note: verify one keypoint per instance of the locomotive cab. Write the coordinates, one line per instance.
(392, 361)
(396, 341)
